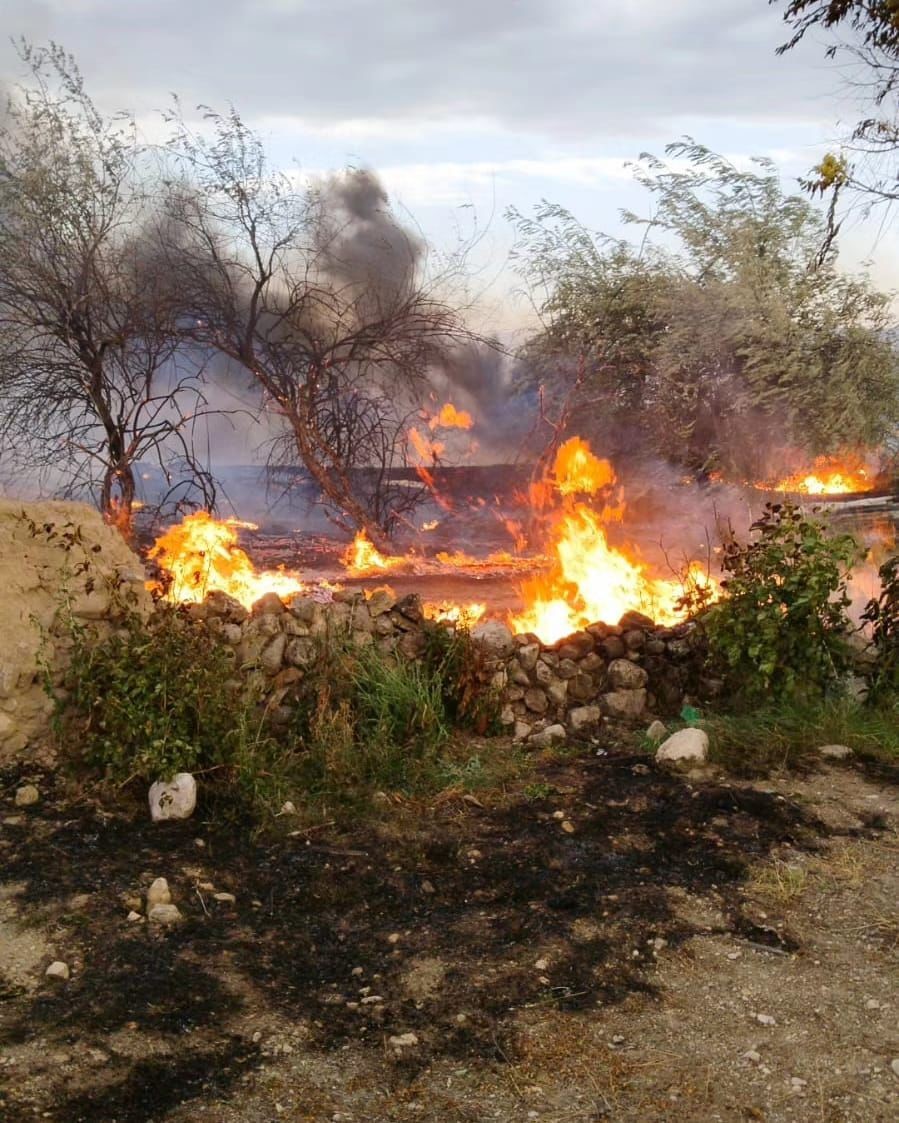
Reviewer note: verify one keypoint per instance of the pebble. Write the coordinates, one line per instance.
(542, 965)
(393, 938)
(403, 1040)
(166, 915)
(835, 752)
(567, 826)
(225, 898)
(57, 970)
(158, 893)
(765, 1020)
(427, 887)
(134, 916)
(27, 795)
(894, 1065)
(752, 1056)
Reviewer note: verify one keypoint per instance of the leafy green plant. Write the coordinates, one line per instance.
(459, 666)
(882, 613)
(153, 698)
(781, 629)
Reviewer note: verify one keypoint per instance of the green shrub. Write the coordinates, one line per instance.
(154, 698)
(882, 613)
(781, 629)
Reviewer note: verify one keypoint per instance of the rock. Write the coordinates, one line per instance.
(165, 915)
(507, 715)
(301, 652)
(835, 752)
(158, 893)
(272, 656)
(765, 1020)
(582, 718)
(303, 608)
(591, 664)
(57, 970)
(412, 645)
(133, 916)
(557, 692)
(612, 647)
(380, 601)
(543, 673)
(634, 619)
(27, 795)
(224, 898)
(575, 646)
(686, 744)
(567, 668)
(546, 738)
(657, 732)
(521, 731)
(582, 688)
(894, 1065)
(518, 674)
(536, 701)
(625, 675)
(403, 1040)
(634, 639)
(173, 799)
(495, 638)
(752, 1056)
(528, 656)
(269, 604)
(625, 705)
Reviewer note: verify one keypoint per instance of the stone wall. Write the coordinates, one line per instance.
(59, 562)
(620, 673)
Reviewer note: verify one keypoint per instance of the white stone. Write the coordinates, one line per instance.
(159, 893)
(894, 1065)
(134, 916)
(686, 744)
(403, 1040)
(584, 717)
(57, 970)
(165, 915)
(835, 752)
(657, 732)
(546, 738)
(224, 898)
(521, 731)
(625, 705)
(765, 1020)
(494, 637)
(625, 675)
(27, 795)
(173, 799)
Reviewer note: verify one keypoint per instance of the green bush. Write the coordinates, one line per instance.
(781, 629)
(882, 613)
(154, 698)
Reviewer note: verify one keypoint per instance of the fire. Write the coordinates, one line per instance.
(448, 612)
(362, 558)
(200, 555)
(828, 476)
(450, 418)
(591, 580)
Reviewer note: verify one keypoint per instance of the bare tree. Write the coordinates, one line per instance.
(94, 375)
(319, 293)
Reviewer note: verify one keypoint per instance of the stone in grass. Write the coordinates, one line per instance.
(685, 745)
(27, 795)
(173, 799)
(546, 738)
(583, 718)
(657, 732)
(835, 752)
(57, 970)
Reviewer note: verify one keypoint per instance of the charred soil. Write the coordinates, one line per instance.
(576, 950)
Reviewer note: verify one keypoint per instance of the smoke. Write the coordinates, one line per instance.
(359, 241)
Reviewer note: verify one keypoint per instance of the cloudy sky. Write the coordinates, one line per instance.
(467, 106)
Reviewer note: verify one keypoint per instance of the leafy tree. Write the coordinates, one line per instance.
(873, 44)
(725, 329)
(92, 379)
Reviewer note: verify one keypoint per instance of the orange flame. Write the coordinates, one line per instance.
(200, 555)
(828, 476)
(450, 418)
(450, 613)
(590, 580)
(362, 558)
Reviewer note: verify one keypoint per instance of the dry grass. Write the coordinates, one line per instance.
(778, 882)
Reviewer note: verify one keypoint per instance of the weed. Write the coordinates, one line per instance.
(778, 882)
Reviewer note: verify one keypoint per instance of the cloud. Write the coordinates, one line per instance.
(571, 69)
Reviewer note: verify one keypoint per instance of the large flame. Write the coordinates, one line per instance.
(591, 580)
(200, 555)
(828, 476)
(448, 417)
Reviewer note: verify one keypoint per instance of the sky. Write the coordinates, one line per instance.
(468, 107)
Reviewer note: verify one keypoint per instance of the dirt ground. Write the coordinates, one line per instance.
(613, 942)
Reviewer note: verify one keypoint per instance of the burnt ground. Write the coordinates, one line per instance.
(613, 941)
